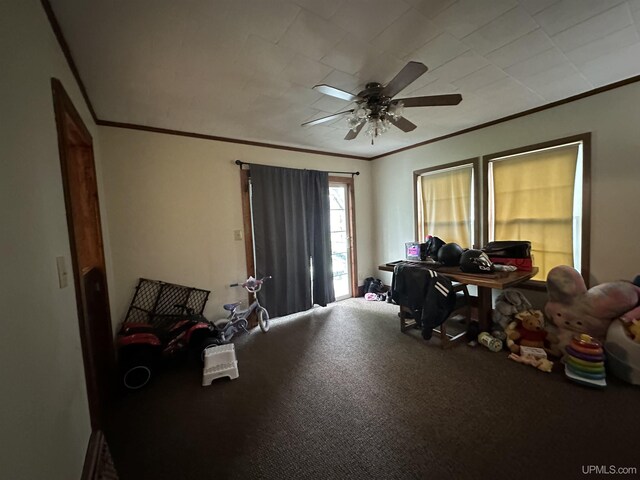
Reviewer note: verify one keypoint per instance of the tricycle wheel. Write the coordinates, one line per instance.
(263, 319)
(137, 366)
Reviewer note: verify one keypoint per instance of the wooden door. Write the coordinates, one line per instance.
(87, 254)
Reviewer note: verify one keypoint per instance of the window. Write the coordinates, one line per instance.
(446, 204)
(537, 195)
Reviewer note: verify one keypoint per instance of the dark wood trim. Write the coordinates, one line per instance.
(144, 128)
(107, 123)
(580, 96)
(585, 138)
(415, 206)
(92, 457)
(64, 106)
(351, 206)
(475, 162)
(537, 146)
(248, 234)
(72, 133)
(586, 209)
(485, 201)
(246, 221)
(64, 46)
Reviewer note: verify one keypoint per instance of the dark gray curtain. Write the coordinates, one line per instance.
(292, 231)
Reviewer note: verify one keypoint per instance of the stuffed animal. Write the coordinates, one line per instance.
(634, 330)
(540, 363)
(528, 330)
(574, 309)
(508, 304)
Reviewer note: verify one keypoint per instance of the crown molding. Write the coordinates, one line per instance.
(55, 26)
(107, 123)
(580, 96)
(166, 131)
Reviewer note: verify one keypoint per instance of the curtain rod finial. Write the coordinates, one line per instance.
(238, 162)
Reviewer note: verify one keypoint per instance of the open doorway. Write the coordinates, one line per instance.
(343, 237)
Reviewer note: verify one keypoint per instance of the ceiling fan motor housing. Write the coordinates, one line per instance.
(375, 107)
(373, 99)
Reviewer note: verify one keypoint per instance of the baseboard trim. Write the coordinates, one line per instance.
(92, 458)
(98, 464)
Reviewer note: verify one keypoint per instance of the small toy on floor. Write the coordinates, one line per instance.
(528, 330)
(584, 363)
(375, 297)
(492, 343)
(541, 363)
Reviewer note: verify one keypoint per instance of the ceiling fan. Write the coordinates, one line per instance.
(376, 107)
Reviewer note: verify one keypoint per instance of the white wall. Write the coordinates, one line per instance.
(44, 416)
(613, 117)
(173, 203)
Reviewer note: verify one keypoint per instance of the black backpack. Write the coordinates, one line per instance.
(373, 285)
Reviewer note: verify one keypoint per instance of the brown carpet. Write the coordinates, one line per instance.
(339, 392)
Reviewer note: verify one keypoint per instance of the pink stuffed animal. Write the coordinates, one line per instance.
(574, 309)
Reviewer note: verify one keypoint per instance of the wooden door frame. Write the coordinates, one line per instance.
(72, 132)
(248, 235)
(351, 229)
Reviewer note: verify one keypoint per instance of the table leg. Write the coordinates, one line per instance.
(484, 308)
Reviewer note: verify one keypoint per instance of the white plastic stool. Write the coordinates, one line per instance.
(219, 361)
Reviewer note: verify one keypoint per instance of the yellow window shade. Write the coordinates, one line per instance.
(533, 200)
(446, 205)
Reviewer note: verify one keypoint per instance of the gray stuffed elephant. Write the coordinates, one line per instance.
(508, 304)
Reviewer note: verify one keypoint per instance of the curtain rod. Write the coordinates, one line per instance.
(240, 164)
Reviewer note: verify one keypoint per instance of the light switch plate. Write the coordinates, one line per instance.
(62, 272)
(237, 234)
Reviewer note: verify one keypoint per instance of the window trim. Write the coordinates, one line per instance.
(475, 165)
(585, 138)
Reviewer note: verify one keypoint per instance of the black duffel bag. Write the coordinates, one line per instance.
(508, 249)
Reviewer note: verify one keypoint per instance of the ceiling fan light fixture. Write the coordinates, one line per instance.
(362, 111)
(377, 126)
(396, 110)
(353, 122)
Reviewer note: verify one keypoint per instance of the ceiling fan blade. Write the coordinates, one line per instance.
(325, 119)
(336, 92)
(403, 124)
(431, 100)
(351, 134)
(407, 75)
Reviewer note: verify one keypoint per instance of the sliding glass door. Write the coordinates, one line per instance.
(340, 240)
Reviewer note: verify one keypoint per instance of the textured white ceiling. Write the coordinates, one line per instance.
(245, 69)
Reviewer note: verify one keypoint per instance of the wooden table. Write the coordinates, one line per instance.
(484, 281)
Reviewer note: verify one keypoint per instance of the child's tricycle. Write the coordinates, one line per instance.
(163, 320)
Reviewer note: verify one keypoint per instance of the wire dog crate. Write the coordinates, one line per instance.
(156, 303)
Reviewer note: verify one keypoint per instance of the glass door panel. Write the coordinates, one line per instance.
(340, 241)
